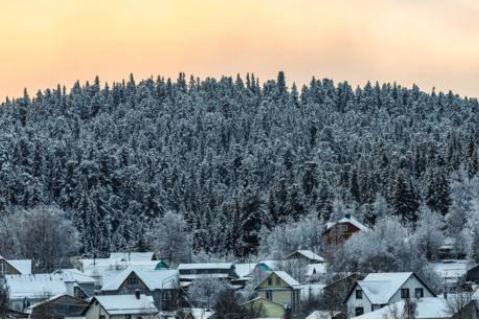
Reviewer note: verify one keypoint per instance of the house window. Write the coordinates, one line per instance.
(404, 293)
(132, 280)
(419, 293)
(344, 228)
(3, 268)
(269, 295)
(359, 311)
(270, 281)
(278, 281)
(359, 294)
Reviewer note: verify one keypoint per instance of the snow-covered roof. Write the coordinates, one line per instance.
(153, 280)
(352, 220)
(380, 287)
(451, 270)
(51, 299)
(127, 304)
(310, 255)
(77, 275)
(37, 285)
(199, 313)
(133, 256)
(316, 268)
(322, 314)
(204, 276)
(426, 308)
(243, 270)
(22, 266)
(205, 266)
(288, 279)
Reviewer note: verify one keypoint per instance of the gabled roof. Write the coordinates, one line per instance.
(310, 255)
(22, 266)
(243, 270)
(77, 275)
(288, 279)
(36, 285)
(426, 308)
(350, 220)
(55, 298)
(380, 287)
(126, 304)
(153, 280)
(316, 268)
(205, 266)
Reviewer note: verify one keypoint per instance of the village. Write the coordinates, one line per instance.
(143, 285)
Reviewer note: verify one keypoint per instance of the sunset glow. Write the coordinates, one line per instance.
(429, 42)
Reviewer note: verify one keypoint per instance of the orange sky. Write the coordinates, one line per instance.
(428, 42)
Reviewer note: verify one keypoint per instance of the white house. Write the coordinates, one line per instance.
(27, 289)
(194, 271)
(137, 306)
(381, 289)
(425, 308)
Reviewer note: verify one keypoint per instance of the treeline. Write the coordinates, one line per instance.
(234, 156)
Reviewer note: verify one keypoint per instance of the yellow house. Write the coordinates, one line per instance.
(266, 309)
(281, 288)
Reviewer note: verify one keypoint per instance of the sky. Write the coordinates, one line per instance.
(432, 43)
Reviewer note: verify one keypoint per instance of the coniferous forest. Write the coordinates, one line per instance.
(235, 157)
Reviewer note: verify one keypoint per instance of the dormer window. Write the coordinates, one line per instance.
(359, 294)
(419, 293)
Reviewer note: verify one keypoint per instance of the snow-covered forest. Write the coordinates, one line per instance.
(227, 159)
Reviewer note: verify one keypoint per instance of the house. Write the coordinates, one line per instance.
(14, 267)
(136, 306)
(335, 293)
(339, 232)
(194, 271)
(105, 268)
(28, 289)
(378, 290)
(163, 286)
(450, 250)
(280, 287)
(423, 308)
(316, 270)
(62, 306)
(133, 256)
(451, 271)
(472, 275)
(263, 308)
(84, 282)
(306, 256)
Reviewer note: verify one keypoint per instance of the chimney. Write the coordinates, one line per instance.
(137, 294)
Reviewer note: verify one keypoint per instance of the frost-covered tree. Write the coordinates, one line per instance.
(204, 292)
(42, 234)
(169, 237)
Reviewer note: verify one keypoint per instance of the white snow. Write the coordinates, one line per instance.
(127, 304)
(243, 270)
(350, 220)
(426, 308)
(132, 256)
(310, 255)
(450, 271)
(77, 275)
(23, 266)
(380, 287)
(322, 314)
(315, 269)
(37, 285)
(205, 266)
(153, 280)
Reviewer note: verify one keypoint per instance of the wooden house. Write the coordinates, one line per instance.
(339, 232)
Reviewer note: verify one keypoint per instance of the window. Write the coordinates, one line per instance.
(269, 295)
(419, 293)
(3, 268)
(132, 280)
(278, 281)
(404, 293)
(359, 294)
(359, 311)
(270, 281)
(344, 228)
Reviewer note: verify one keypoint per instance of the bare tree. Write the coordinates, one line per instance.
(456, 304)
(410, 309)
